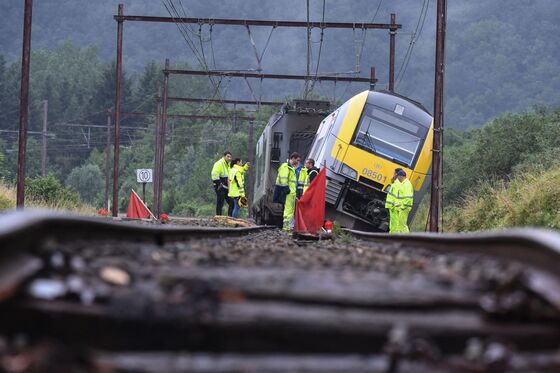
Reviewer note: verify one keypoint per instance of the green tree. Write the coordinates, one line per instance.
(151, 80)
(510, 144)
(87, 180)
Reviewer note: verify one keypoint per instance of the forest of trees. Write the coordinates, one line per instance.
(79, 89)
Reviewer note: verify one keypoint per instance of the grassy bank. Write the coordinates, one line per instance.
(8, 203)
(530, 199)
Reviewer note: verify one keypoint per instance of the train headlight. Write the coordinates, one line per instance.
(349, 172)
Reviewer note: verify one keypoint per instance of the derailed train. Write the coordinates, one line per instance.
(360, 143)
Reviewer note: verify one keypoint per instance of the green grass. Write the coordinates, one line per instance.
(420, 220)
(8, 203)
(529, 200)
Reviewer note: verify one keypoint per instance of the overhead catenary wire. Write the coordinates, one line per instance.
(257, 56)
(365, 34)
(413, 39)
(184, 29)
(308, 55)
(320, 48)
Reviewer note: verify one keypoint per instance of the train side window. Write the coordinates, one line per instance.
(275, 153)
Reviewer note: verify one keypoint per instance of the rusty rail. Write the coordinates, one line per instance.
(25, 229)
(537, 249)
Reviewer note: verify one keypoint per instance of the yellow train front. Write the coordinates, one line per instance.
(361, 144)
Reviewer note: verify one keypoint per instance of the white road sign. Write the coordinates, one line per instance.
(144, 175)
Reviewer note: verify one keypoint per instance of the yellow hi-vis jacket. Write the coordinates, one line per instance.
(311, 174)
(287, 177)
(301, 181)
(392, 195)
(220, 171)
(405, 195)
(236, 181)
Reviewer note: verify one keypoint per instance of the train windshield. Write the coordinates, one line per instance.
(389, 135)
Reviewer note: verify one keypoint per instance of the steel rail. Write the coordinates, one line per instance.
(25, 230)
(537, 250)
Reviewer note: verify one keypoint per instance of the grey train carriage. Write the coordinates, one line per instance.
(290, 130)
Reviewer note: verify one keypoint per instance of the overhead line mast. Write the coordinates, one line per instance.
(436, 189)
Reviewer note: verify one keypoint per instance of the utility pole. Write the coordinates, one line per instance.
(107, 160)
(156, 205)
(23, 103)
(118, 83)
(392, 34)
(162, 129)
(250, 158)
(44, 149)
(436, 190)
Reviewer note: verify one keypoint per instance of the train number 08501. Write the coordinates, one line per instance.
(374, 175)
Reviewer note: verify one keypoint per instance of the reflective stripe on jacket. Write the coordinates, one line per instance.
(301, 181)
(236, 181)
(311, 174)
(287, 177)
(392, 200)
(406, 194)
(220, 170)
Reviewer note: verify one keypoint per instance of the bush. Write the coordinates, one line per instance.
(206, 210)
(88, 181)
(48, 190)
(6, 203)
(511, 144)
(185, 209)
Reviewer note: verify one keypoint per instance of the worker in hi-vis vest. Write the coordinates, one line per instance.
(220, 173)
(287, 178)
(312, 171)
(405, 198)
(236, 181)
(391, 202)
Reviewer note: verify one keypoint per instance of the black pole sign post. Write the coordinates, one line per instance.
(144, 192)
(144, 176)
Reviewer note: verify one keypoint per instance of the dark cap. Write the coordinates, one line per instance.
(401, 173)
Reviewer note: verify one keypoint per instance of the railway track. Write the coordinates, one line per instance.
(89, 294)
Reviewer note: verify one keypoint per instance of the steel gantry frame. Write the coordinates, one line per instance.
(121, 18)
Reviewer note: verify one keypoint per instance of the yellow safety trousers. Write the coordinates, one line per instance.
(289, 211)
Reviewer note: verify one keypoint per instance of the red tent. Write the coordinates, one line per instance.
(310, 209)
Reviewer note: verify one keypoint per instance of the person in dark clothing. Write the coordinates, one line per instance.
(312, 172)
